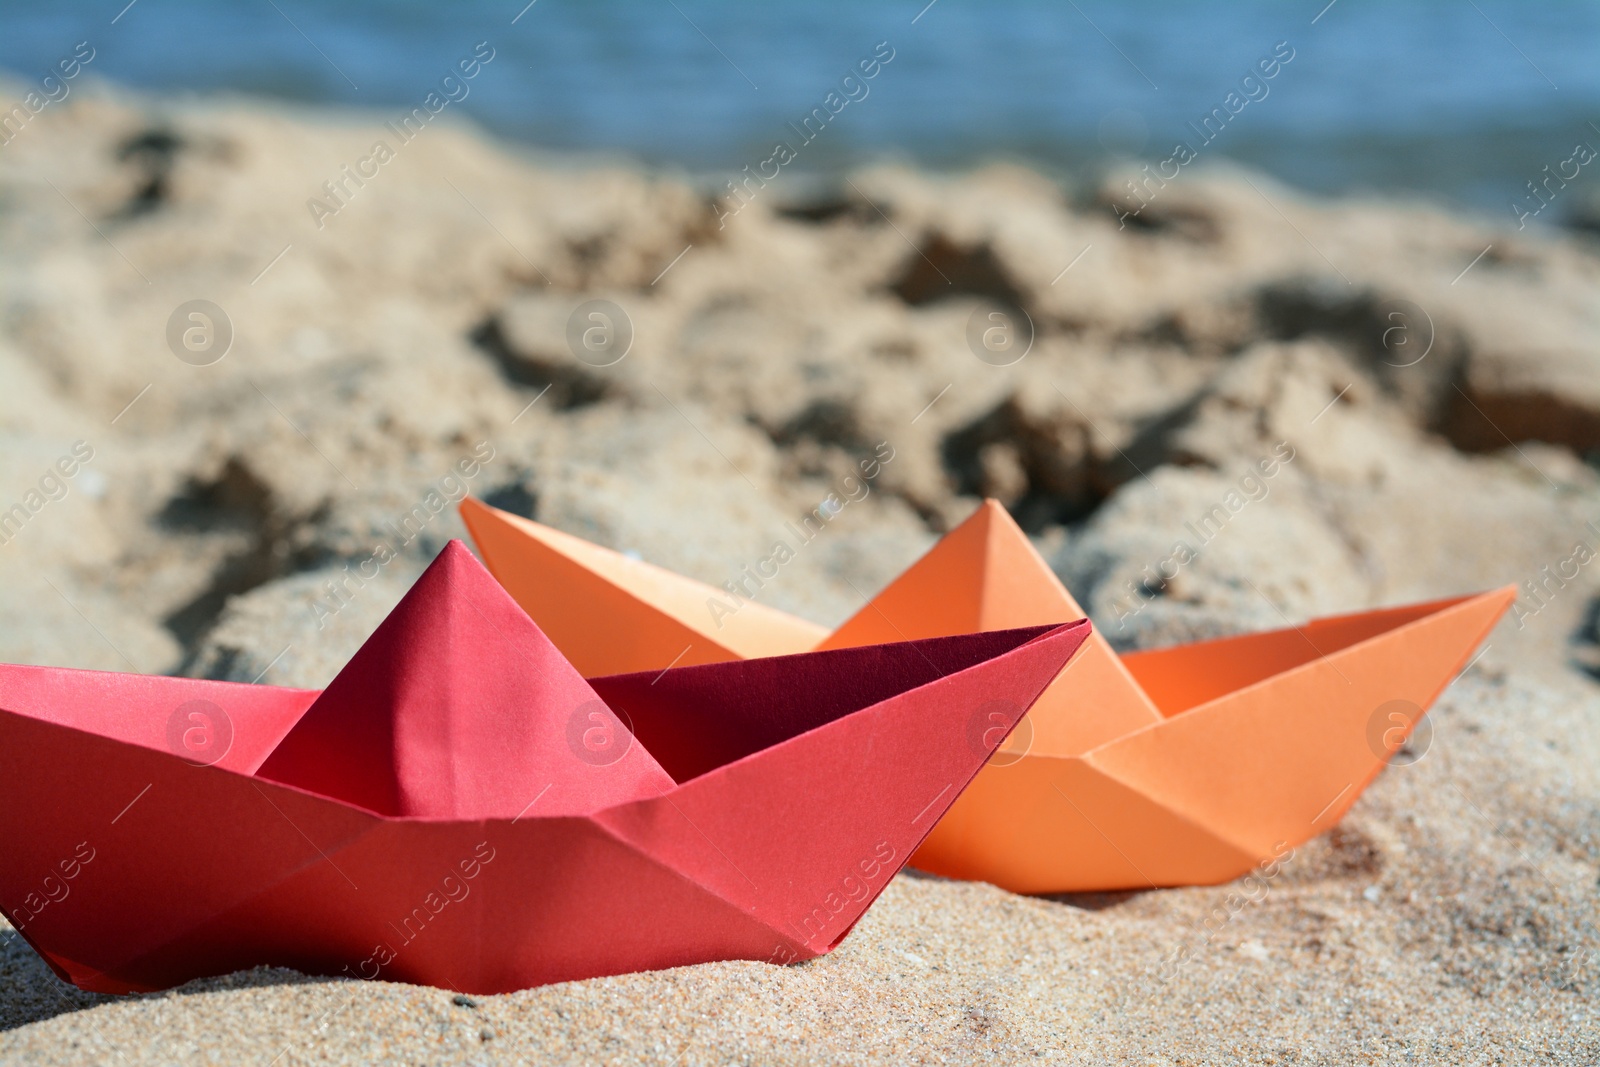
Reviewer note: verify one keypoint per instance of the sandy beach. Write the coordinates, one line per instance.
(1432, 379)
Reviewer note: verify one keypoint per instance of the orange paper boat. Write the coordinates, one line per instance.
(1178, 766)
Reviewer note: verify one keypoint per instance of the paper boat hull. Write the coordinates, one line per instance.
(181, 871)
(1266, 741)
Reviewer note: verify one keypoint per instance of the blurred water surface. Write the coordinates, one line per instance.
(1464, 100)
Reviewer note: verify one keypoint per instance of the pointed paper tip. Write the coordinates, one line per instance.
(460, 572)
(454, 705)
(1497, 600)
(991, 518)
(481, 518)
(472, 508)
(988, 513)
(455, 554)
(611, 612)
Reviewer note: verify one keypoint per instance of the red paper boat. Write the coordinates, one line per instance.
(460, 808)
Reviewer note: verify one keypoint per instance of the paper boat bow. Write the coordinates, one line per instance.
(1179, 766)
(460, 808)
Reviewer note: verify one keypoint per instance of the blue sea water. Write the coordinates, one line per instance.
(1462, 100)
